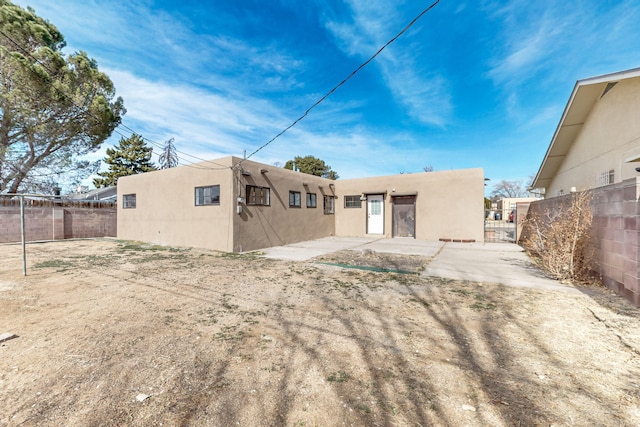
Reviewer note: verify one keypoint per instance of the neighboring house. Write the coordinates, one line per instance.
(106, 194)
(237, 205)
(597, 141)
(596, 147)
(508, 204)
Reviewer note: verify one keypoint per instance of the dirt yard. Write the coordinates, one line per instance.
(122, 334)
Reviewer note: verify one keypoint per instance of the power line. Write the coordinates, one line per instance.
(160, 145)
(295, 122)
(181, 161)
(353, 73)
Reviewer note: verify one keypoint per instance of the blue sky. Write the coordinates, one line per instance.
(471, 84)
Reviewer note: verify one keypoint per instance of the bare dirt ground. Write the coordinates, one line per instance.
(116, 333)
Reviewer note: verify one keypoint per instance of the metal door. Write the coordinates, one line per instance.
(404, 216)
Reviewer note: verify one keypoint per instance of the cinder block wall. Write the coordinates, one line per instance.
(615, 234)
(80, 222)
(51, 222)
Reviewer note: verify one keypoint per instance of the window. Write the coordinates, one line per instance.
(209, 195)
(260, 196)
(352, 202)
(294, 199)
(606, 177)
(328, 204)
(311, 200)
(129, 201)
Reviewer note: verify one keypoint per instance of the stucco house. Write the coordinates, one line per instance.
(597, 141)
(236, 205)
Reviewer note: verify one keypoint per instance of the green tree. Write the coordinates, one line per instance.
(132, 156)
(53, 108)
(312, 166)
(169, 156)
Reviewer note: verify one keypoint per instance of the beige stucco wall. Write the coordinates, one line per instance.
(165, 210)
(278, 224)
(611, 134)
(449, 204)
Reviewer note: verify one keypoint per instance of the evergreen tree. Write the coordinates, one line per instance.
(132, 156)
(53, 108)
(169, 156)
(311, 165)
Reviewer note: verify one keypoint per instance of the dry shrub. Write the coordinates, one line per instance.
(559, 238)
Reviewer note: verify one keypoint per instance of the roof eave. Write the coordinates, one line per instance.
(540, 181)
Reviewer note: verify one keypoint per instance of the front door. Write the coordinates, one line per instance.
(375, 214)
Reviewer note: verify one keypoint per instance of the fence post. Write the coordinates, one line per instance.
(22, 232)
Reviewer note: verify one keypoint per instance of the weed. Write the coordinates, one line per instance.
(479, 306)
(55, 263)
(228, 334)
(209, 316)
(363, 408)
(139, 247)
(102, 261)
(240, 255)
(228, 306)
(460, 291)
(338, 377)
(387, 407)
(559, 237)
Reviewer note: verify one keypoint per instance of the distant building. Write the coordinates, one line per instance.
(106, 194)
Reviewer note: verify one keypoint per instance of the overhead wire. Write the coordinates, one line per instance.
(349, 77)
(160, 145)
(294, 123)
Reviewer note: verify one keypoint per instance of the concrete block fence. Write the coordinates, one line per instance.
(56, 220)
(615, 234)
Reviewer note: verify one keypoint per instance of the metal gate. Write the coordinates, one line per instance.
(500, 226)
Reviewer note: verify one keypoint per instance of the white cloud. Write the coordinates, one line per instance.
(421, 91)
(195, 116)
(209, 126)
(527, 47)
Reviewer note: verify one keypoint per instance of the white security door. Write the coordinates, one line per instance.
(375, 214)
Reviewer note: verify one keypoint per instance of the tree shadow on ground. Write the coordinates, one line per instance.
(225, 341)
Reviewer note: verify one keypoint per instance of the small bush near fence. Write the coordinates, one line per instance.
(559, 238)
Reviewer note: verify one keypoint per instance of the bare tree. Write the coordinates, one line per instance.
(428, 168)
(169, 157)
(509, 189)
